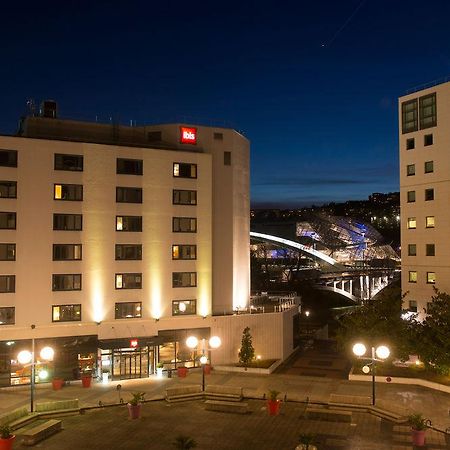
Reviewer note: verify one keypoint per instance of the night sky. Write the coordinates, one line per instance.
(313, 84)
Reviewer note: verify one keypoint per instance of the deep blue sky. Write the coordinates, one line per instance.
(318, 104)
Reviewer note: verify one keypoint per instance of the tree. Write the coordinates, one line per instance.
(184, 443)
(247, 352)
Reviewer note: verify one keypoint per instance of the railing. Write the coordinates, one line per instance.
(428, 85)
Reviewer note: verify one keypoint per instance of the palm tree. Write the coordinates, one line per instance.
(184, 443)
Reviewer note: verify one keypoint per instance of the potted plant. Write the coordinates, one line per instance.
(306, 442)
(86, 378)
(418, 427)
(182, 371)
(159, 369)
(273, 403)
(135, 404)
(6, 438)
(184, 443)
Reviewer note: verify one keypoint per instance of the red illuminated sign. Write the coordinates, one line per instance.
(133, 343)
(188, 135)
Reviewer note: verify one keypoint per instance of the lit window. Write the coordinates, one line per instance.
(128, 310)
(431, 277)
(128, 281)
(184, 307)
(429, 222)
(412, 276)
(185, 170)
(70, 192)
(184, 251)
(412, 223)
(66, 313)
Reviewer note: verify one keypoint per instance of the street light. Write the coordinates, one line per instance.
(382, 352)
(26, 357)
(214, 342)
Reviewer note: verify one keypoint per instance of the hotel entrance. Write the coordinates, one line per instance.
(131, 363)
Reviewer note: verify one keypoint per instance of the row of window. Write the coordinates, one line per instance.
(429, 195)
(429, 250)
(412, 277)
(411, 142)
(412, 222)
(428, 168)
(419, 113)
(123, 310)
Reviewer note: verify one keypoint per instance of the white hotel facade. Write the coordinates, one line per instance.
(117, 242)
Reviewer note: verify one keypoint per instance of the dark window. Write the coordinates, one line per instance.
(429, 194)
(8, 158)
(430, 249)
(184, 279)
(154, 136)
(181, 197)
(412, 250)
(184, 307)
(7, 283)
(218, 136)
(69, 192)
(7, 220)
(7, 252)
(429, 167)
(184, 225)
(427, 106)
(410, 143)
(130, 166)
(184, 170)
(412, 306)
(8, 189)
(410, 169)
(227, 158)
(7, 315)
(66, 313)
(66, 282)
(428, 140)
(66, 252)
(128, 195)
(128, 251)
(68, 222)
(128, 223)
(128, 280)
(184, 252)
(128, 310)
(68, 162)
(411, 196)
(409, 116)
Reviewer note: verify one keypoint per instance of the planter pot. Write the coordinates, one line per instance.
(418, 437)
(57, 383)
(6, 444)
(207, 369)
(273, 407)
(306, 447)
(86, 380)
(159, 371)
(134, 411)
(182, 372)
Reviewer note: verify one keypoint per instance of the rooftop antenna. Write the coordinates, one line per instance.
(31, 107)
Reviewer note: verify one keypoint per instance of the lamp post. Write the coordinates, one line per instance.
(28, 358)
(382, 352)
(214, 342)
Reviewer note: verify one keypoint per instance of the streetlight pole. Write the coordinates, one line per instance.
(33, 370)
(374, 369)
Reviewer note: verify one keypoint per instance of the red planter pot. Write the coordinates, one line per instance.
(273, 407)
(6, 444)
(207, 369)
(57, 384)
(182, 372)
(418, 437)
(134, 411)
(86, 380)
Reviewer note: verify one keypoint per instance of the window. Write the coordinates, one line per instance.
(128, 223)
(412, 276)
(68, 222)
(184, 225)
(128, 252)
(429, 194)
(184, 197)
(412, 306)
(128, 195)
(184, 307)
(7, 283)
(7, 315)
(130, 166)
(7, 252)
(184, 170)
(66, 252)
(412, 223)
(73, 163)
(410, 169)
(409, 116)
(7, 220)
(128, 280)
(154, 136)
(427, 107)
(66, 313)
(67, 282)
(184, 279)
(69, 192)
(184, 252)
(227, 158)
(429, 221)
(430, 249)
(8, 158)
(410, 144)
(218, 136)
(431, 277)
(428, 140)
(411, 197)
(128, 310)
(8, 189)
(412, 250)
(429, 167)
